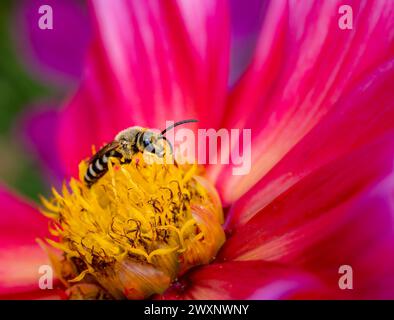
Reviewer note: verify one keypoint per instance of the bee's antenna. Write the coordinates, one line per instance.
(177, 124)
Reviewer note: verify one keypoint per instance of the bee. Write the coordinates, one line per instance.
(126, 144)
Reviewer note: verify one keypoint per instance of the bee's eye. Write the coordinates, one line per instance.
(147, 142)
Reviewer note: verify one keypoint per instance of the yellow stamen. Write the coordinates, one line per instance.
(137, 228)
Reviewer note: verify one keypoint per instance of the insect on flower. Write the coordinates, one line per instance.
(319, 192)
(126, 144)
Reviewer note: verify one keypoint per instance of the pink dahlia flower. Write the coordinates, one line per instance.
(319, 196)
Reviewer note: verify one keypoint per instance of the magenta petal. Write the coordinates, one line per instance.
(20, 255)
(38, 294)
(341, 214)
(360, 116)
(255, 280)
(304, 63)
(38, 129)
(152, 61)
(57, 54)
(246, 20)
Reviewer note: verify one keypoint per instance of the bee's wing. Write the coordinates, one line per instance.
(104, 150)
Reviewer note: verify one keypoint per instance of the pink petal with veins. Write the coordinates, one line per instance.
(364, 113)
(340, 214)
(256, 280)
(304, 64)
(20, 255)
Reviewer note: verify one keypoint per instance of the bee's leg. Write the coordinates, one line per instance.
(168, 143)
(125, 160)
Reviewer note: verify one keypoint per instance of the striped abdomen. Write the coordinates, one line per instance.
(98, 165)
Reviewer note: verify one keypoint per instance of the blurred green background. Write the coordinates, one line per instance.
(18, 90)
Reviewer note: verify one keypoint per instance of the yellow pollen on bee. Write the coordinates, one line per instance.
(138, 228)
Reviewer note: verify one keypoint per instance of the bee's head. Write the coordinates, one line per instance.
(138, 139)
(153, 142)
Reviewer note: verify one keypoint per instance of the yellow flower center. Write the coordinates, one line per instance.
(135, 230)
